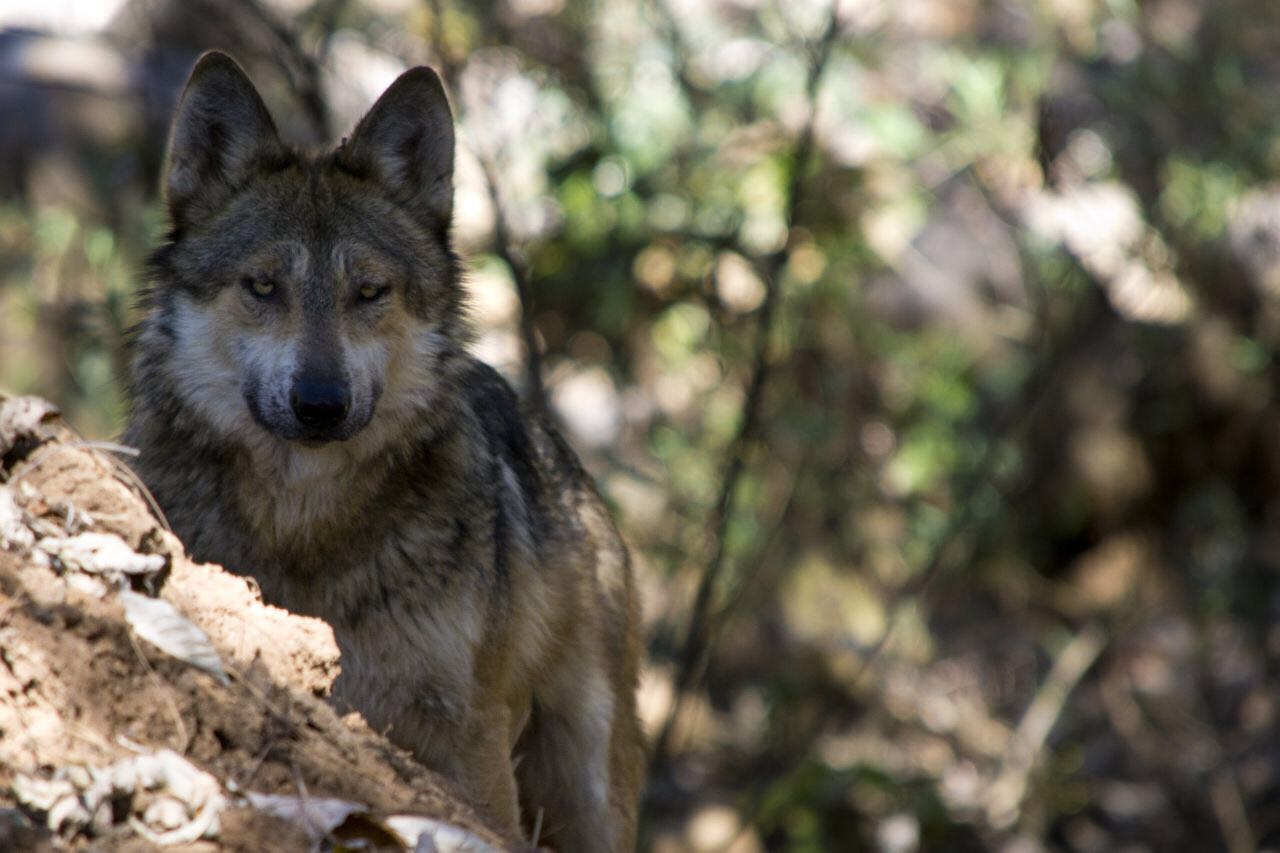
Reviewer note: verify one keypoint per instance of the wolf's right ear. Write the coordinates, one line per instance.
(221, 130)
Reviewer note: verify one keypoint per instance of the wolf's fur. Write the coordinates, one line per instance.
(480, 595)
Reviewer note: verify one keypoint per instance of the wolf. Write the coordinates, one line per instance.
(308, 414)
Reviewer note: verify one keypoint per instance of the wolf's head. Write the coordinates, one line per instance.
(305, 299)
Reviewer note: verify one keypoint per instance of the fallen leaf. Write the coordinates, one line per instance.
(159, 623)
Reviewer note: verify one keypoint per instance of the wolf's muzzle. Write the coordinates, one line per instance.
(319, 405)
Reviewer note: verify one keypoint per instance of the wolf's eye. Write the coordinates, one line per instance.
(370, 292)
(261, 288)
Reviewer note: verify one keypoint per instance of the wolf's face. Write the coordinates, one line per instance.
(309, 299)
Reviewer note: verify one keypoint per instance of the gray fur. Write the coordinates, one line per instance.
(479, 593)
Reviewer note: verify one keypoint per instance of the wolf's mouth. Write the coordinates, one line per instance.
(314, 443)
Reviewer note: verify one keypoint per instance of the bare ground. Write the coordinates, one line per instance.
(87, 705)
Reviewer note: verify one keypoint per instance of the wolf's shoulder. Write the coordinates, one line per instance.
(502, 421)
(523, 439)
(492, 398)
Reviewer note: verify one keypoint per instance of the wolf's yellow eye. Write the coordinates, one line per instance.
(261, 288)
(370, 292)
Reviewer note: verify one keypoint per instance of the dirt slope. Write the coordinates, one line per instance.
(108, 740)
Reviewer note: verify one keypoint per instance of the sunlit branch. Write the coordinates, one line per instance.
(700, 635)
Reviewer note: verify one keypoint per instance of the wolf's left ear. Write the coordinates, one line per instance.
(406, 142)
(221, 132)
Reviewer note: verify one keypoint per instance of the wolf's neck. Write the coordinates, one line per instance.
(299, 498)
(290, 495)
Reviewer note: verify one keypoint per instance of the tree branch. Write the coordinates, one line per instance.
(1005, 796)
(504, 246)
(699, 635)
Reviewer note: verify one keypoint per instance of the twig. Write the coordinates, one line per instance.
(698, 637)
(1228, 806)
(746, 576)
(1005, 796)
(306, 82)
(1225, 797)
(180, 728)
(537, 829)
(109, 446)
(534, 392)
(130, 478)
(504, 247)
(304, 797)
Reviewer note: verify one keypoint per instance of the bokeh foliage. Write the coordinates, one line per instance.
(996, 567)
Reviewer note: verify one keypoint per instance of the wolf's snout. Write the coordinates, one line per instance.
(319, 405)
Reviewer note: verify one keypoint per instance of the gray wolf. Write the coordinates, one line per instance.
(308, 414)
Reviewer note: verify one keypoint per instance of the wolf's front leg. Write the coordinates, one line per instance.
(473, 751)
(430, 707)
(563, 765)
(484, 770)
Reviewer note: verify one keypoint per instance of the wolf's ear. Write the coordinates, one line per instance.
(221, 130)
(406, 143)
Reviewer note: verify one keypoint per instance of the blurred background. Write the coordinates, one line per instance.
(926, 350)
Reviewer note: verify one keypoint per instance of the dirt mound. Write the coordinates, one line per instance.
(146, 699)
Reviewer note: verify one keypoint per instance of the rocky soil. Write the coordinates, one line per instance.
(149, 701)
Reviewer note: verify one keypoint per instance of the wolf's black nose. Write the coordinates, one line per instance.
(319, 404)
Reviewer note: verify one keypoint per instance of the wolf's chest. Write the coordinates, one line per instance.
(387, 600)
(400, 649)
(291, 514)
